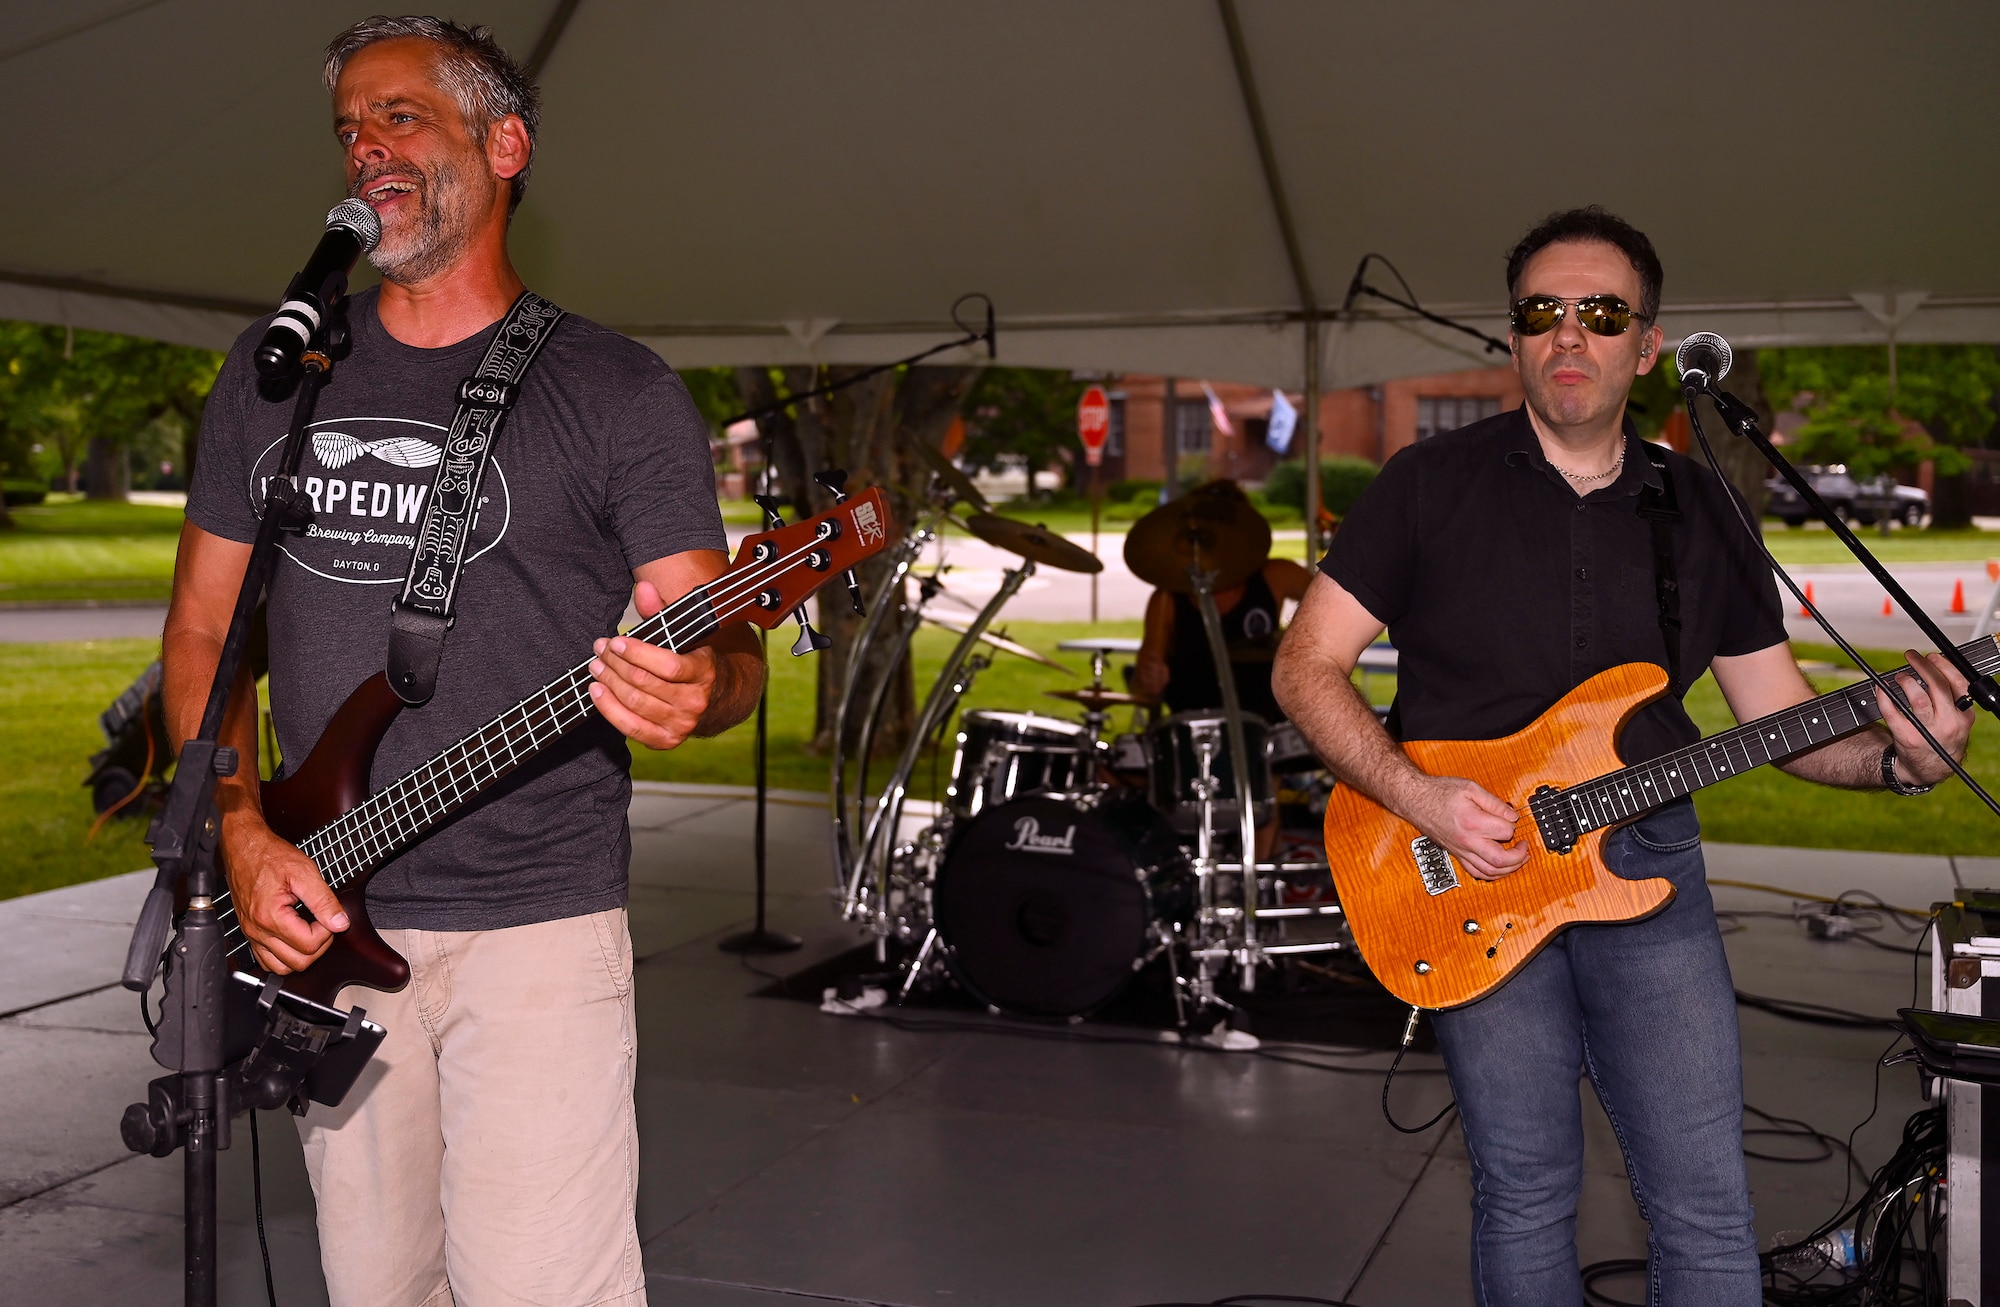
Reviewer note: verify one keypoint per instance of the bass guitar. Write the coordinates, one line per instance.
(1438, 937)
(323, 806)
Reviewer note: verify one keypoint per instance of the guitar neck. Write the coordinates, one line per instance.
(1622, 795)
(402, 812)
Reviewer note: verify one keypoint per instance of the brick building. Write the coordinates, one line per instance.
(1369, 422)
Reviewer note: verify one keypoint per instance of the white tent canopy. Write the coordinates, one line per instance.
(741, 181)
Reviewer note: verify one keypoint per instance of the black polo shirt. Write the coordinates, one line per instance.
(1503, 590)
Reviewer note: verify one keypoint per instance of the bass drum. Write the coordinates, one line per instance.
(1045, 907)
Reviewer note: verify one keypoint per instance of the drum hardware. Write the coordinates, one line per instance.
(862, 664)
(999, 640)
(882, 826)
(1202, 581)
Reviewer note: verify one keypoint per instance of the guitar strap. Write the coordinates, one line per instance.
(423, 614)
(1659, 507)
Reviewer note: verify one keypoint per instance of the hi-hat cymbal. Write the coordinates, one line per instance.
(1219, 529)
(956, 481)
(1111, 644)
(1035, 542)
(1097, 698)
(1002, 643)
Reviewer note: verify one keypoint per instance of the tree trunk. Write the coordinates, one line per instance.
(1951, 503)
(110, 472)
(1737, 459)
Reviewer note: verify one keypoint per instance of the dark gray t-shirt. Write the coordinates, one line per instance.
(603, 466)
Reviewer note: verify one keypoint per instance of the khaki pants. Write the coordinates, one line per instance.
(489, 1154)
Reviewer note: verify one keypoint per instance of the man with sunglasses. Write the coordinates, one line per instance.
(1511, 561)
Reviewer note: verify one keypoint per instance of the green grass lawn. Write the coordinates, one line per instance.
(1815, 544)
(69, 551)
(50, 696)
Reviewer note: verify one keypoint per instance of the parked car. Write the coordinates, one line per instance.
(1875, 499)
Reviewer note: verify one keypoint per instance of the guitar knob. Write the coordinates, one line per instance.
(1423, 967)
(1472, 928)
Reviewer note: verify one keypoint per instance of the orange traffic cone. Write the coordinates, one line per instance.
(1958, 595)
(1993, 569)
(1886, 610)
(1805, 609)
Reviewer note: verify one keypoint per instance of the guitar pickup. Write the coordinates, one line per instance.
(1555, 819)
(1440, 873)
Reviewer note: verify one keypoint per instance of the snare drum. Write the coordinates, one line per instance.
(1177, 747)
(1003, 756)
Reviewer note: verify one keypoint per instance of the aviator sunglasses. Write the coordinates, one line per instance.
(1601, 315)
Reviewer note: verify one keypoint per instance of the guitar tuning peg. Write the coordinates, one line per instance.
(835, 481)
(772, 519)
(854, 591)
(809, 640)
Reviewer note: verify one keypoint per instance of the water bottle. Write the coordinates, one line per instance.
(1836, 1251)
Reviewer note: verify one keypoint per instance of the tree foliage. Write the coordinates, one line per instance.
(61, 389)
(1854, 416)
(1024, 413)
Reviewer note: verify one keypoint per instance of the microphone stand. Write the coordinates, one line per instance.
(192, 1109)
(1743, 420)
(760, 939)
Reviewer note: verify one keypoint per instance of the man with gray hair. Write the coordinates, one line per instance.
(489, 1153)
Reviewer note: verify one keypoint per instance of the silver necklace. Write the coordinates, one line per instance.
(1615, 469)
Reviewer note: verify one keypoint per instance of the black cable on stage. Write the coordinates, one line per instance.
(1390, 1117)
(257, 1198)
(1814, 1014)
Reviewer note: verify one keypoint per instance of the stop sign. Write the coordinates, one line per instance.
(1093, 424)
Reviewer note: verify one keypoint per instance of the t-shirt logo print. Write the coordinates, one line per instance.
(369, 480)
(337, 449)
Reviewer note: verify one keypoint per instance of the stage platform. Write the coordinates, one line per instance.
(792, 1157)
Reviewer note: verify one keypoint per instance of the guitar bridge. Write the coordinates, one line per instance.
(1440, 873)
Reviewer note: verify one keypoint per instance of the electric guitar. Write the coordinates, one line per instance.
(1437, 937)
(323, 806)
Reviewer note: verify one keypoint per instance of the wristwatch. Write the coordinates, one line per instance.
(1891, 783)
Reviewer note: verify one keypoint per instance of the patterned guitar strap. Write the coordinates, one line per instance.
(424, 613)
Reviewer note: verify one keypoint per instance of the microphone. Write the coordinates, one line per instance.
(1703, 359)
(352, 229)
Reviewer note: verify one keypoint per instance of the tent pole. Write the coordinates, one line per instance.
(1311, 420)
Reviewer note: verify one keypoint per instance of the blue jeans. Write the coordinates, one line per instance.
(1648, 1010)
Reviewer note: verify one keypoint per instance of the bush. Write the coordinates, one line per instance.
(21, 493)
(1132, 491)
(1341, 481)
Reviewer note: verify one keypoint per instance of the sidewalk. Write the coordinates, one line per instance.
(790, 1157)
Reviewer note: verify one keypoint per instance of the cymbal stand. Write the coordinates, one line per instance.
(1096, 719)
(878, 840)
(861, 663)
(1248, 956)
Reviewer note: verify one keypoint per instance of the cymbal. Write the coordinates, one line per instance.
(956, 481)
(1229, 535)
(1033, 541)
(1098, 698)
(1111, 644)
(1002, 643)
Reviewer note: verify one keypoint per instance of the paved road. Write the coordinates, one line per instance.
(39, 625)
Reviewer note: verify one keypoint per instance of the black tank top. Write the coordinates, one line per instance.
(1192, 684)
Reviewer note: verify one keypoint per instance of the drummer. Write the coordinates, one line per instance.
(1174, 664)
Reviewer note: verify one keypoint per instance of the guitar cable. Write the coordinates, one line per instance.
(1882, 683)
(1409, 1037)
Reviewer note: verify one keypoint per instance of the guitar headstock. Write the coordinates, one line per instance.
(776, 571)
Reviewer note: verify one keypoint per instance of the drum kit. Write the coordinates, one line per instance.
(1062, 858)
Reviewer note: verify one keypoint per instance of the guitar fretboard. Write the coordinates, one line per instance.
(1621, 795)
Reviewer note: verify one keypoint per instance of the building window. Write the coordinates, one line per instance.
(1193, 426)
(1437, 414)
(1114, 438)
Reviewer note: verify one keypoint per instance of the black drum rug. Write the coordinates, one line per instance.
(1319, 999)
